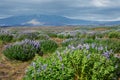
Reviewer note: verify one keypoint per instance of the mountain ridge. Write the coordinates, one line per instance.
(49, 20)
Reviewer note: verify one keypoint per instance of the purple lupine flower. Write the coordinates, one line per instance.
(8, 46)
(4, 32)
(71, 47)
(44, 67)
(106, 54)
(100, 48)
(65, 51)
(39, 70)
(93, 46)
(79, 46)
(35, 44)
(60, 58)
(87, 46)
(58, 54)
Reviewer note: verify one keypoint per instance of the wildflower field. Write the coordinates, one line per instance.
(60, 53)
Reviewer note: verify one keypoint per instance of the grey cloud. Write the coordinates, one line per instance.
(80, 9)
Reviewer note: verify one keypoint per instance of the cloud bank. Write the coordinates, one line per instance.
(99, 10)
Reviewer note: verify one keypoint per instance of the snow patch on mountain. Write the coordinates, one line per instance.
(34, 22)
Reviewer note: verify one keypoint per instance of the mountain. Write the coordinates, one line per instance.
(48, 20)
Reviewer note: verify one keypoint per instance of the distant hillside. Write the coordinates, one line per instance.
(49, 20)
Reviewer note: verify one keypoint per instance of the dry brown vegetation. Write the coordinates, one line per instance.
(42, 28)
(100, 29)
(11, 70)
(15, 70)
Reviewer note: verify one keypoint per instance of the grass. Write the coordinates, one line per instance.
(15, 70)
(11, 69)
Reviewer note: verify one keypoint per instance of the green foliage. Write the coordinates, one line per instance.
(6, 37)
(23, 36)
(49, 69)
(19, 52)
(114, 34)
(48, 46)
(85, 40)
(85, 54)
(70, 41)
(109, 43)
(43, 37)
(112, 44)
(62, 36)
(22, 51)
(1, 42)
(91, 66)
(70, 65)
(50, 34)
(94, 35)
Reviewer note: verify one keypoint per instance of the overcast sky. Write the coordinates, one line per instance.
(77, 9)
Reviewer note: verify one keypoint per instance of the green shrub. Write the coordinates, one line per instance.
(91, 66)
(23, 36)
(23, 51)
(92, 36)
(43, 37)
(50, 34)
(48, 46)
(49, 69)
(90, 40)
(112, 44)
(74, 65)
(62, 36)
(1, 42)
(6, 37)
(114, 34)
(109, 43)
(70, 41)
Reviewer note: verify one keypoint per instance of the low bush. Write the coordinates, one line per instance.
(74, 65)
(114, 34)
(23, 51)
(48, 46)
(43, 37)
(6, 37)
(70, 41)
(23, 36)
(62, 36)
(50, 34)
(49, 69)
(109, 43)
(95, 35)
